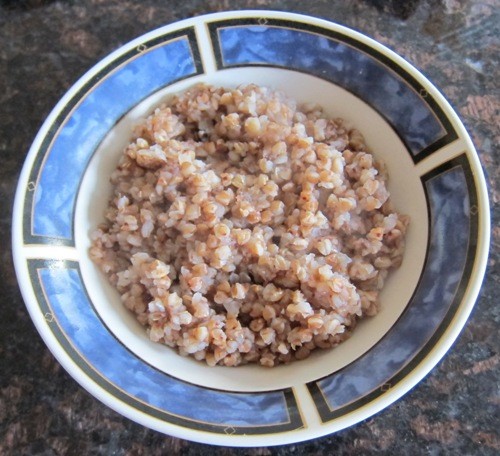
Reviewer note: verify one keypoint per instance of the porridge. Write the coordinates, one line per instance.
(246, 228)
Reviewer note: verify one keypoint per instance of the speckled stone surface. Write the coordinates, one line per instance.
(47, 45)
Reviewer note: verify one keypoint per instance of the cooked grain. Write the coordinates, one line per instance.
(243, 228)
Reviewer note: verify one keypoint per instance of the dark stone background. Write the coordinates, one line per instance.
(46, 45)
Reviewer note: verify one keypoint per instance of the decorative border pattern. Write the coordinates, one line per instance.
(72, 319)
(291, 45)
(432, 306)
(40, 228)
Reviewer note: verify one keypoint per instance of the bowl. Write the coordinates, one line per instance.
(434, 176)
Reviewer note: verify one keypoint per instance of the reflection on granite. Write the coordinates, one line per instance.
(47, 45)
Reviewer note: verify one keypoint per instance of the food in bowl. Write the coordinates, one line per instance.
(244, 228)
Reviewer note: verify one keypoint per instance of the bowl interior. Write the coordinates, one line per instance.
(407, 194)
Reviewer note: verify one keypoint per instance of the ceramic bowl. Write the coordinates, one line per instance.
(435, 177)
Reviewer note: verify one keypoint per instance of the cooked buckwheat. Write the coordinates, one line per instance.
(243, 228)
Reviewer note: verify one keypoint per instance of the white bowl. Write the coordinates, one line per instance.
(435, 177)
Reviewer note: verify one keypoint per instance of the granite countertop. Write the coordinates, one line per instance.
(46, 45)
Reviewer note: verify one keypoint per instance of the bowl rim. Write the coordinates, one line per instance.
(375, 406)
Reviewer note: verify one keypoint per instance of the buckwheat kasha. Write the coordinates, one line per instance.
(243, 228)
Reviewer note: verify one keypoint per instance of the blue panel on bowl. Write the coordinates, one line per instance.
(344, 61)
(125, 82)
(115, 368)
(453, 222)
